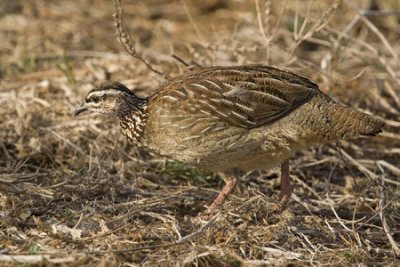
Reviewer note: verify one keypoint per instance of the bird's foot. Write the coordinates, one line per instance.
(229, 185)
(285, 194)
(286, 187)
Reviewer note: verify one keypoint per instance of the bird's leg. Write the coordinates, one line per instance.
(230, 182)
(286, 187)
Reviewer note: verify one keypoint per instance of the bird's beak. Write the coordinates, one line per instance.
(80, 109)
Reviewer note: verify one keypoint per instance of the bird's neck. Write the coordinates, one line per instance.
(132, 118)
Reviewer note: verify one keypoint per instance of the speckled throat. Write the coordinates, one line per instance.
(132, 118)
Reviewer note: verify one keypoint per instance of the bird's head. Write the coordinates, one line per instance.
(110, 97)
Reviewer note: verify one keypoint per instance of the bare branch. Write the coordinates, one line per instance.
(126, 39)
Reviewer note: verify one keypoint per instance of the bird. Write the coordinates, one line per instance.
(230, 119)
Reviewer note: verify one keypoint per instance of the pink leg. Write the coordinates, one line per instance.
(286, 187)
(230, 183)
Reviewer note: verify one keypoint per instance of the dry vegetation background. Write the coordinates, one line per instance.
(74, 192)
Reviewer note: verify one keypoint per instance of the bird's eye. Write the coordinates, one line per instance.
(95, 99)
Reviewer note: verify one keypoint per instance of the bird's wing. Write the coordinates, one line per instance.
(246, 96)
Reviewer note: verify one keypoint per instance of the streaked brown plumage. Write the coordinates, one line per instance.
(228, 118)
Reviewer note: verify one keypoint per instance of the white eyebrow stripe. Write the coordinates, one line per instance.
(103, 92)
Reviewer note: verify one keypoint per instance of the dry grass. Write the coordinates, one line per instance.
(73, 191)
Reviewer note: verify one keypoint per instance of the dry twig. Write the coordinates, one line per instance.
(126, 40)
